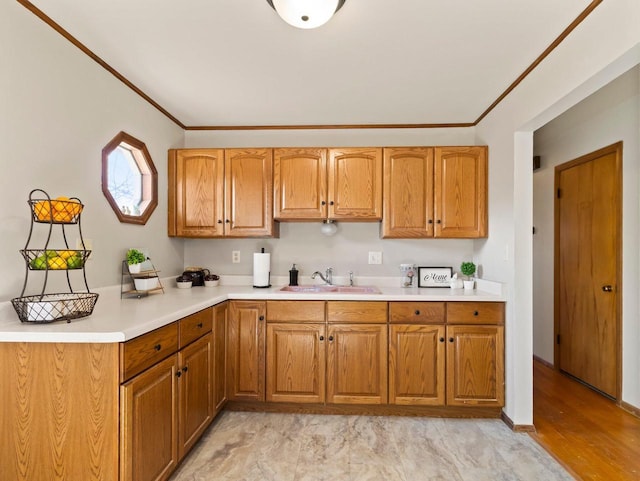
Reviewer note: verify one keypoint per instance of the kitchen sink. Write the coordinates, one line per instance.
(332, 289)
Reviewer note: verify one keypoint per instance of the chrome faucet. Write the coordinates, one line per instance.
(327, 277)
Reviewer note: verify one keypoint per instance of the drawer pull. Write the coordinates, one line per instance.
(330, 338)
(442, 339)
(157, 347)
(179, 373)
(322, 338)
(476, 313)
(417, 312)
(200, 325)
(261, 318)
(451, 339)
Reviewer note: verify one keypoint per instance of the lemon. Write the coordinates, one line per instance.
(66, 254)
(57, 262)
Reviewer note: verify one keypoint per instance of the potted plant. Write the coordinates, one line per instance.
(468, 269)
(135, 258)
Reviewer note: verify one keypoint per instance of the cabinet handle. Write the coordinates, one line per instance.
(607, 288)
(330, 338)
(185, 369)
(438, 221)
(322, 338)
(430, 221)
(227, 221)
(442, 339)
(157, 347)
(323, 202)
(417, 312)
(200, 325)
(261, 318)
(451, 339)
(330, 202)
(219, 221)
(179, 373)
(476, 313)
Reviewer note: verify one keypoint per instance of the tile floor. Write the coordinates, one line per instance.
(303, 447)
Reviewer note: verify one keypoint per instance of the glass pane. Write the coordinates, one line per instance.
(125, 181)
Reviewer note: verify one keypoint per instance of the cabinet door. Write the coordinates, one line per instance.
(407, 210)
(300, 184)
(460, 192)
(249, 193)
(355, 184)
(149, 423)
(194, 392)
(296, 363)
(220, 356)
(416, 364)
(357, 364)
(475, 365)
(196, 192)
(245, 346)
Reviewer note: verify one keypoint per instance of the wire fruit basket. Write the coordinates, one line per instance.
(47, 307)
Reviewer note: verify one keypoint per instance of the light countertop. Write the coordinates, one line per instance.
(116, 320)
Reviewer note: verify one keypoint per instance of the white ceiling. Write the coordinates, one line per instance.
(236, 63)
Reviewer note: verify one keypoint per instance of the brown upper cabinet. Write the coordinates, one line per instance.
(435, 192)
(221, 193)
(316, 184)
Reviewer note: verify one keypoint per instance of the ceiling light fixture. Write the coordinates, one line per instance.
(306, 13)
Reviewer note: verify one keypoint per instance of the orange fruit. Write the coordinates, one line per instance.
(42, 209)
(60, 203)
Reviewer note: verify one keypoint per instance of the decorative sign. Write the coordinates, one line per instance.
(434, 276)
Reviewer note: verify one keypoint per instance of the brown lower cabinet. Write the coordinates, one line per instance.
(245, 355)
(165, 409)
(347, 353)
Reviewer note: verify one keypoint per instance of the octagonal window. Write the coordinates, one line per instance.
(129, 179)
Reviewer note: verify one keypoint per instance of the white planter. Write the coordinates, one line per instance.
(469, 285)
(146, 283)
(135, 268)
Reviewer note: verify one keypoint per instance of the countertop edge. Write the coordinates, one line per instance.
(117, 320)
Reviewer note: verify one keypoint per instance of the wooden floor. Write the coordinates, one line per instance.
(591, 436)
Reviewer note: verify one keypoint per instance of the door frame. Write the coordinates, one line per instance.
(615, 149)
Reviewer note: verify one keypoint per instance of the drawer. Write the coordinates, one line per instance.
(475, 312)
(295, 311)
(192, 327)
(417, 312)
(144, 351)
(357, 311)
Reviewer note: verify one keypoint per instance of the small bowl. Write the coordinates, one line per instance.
(212, 283)
(184, 283)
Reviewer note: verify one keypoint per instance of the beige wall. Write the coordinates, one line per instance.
(610, 115)
(58, 109)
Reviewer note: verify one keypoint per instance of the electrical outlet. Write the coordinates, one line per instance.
(375, 257)
(235, 257)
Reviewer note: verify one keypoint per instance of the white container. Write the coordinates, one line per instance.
(146, 283)
(42, 311)
(184, 284)
(211, 283)
(469, 285)
(135, 268)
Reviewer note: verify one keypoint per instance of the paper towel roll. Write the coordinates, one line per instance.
(261, 269)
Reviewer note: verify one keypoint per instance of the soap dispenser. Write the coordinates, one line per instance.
(293, 276)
